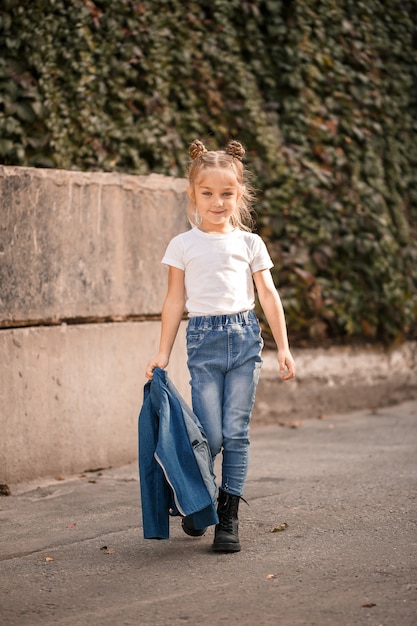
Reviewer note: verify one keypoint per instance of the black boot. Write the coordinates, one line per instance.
(226, 537)
(189, 528)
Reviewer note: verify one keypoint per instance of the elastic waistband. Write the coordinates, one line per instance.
(245, 318)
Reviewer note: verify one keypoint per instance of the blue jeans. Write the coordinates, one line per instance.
(224, 359)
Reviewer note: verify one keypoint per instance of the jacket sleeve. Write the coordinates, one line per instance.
(154, 491)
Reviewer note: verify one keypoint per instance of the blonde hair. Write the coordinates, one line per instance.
(230, 159)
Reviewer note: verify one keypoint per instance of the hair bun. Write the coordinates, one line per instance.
(235, 149)
(197, 148)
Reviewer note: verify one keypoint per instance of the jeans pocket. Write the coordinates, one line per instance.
(255, 335)
(194, 339)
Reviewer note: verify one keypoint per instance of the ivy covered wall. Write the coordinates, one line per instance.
(322, 93)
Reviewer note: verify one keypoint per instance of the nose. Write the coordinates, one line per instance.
(218, 202)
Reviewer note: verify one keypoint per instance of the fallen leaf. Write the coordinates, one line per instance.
(4, 490)
(71, 525)
(368, 605)
(48, 559)
(59, 477)
(279, 528)
(92, 481)
(290, 424)
(271, 576)
(109, 551)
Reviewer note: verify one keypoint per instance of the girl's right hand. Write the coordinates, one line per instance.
(161, 361)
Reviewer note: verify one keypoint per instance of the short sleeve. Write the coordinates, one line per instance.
(260, 256)
(174, 254)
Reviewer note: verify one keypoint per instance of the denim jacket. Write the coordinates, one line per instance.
(175, 464)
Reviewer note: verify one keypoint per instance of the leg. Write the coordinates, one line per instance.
(206, 355)
(241, 380)
(239, 398)
(207, 395)
(245, 345)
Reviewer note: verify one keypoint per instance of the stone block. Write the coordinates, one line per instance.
(78, 246)
(70, 396)
(334, 380)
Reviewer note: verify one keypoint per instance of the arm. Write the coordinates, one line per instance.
(172, 312)
(274, 313)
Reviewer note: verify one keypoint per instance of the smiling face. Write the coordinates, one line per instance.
(216, 195)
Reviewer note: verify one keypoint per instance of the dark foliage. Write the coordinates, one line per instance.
(322, 93)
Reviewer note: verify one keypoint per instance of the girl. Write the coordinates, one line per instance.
(212, 268)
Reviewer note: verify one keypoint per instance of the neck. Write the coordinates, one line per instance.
(216, 231)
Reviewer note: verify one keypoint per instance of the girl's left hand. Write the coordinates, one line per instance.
(286, 364)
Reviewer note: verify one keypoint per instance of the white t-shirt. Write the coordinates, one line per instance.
(218, 269)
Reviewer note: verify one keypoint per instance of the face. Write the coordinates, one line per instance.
(215, 195)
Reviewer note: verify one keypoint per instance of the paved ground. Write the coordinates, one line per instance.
(72, 552)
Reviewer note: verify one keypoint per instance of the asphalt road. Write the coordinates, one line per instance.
(72, 551)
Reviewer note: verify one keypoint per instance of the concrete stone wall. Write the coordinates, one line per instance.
(81, 286)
